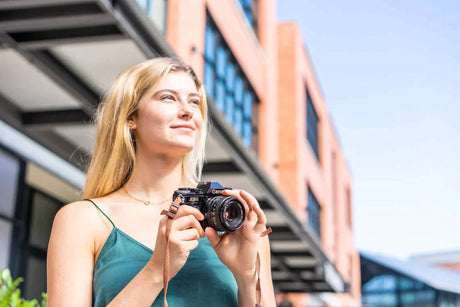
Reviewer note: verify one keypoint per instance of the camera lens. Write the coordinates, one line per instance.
(225, 213)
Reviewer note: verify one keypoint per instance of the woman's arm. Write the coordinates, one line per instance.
(71, 256)
(247, 286)
(185, 230)
(238, 251)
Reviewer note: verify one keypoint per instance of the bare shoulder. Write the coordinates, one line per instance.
(77, 212)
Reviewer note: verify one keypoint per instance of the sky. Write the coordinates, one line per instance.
(389, 71)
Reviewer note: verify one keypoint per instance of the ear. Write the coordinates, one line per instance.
(132, 123)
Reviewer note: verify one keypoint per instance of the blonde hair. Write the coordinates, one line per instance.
(114, 155)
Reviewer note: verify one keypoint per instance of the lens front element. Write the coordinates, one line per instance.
(225, 213)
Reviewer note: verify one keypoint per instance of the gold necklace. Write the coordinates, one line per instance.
(146, 202)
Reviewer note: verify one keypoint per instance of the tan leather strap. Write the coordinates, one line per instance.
(171, 213)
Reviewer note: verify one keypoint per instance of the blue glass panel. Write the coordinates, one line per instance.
(312, 126)
(220, 95)
(209, 79)
(210, 44)
(249, 17)
(247, 133)
(239, 90)
(247, 105)
(143, 4)
(314, 214)
(230, 76)
(229, 106)
(221, 62)
(248, 3)
(238, 121)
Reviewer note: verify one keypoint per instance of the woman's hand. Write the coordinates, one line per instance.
(238, 249)
(185, 230)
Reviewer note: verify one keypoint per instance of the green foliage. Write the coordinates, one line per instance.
(10, 295)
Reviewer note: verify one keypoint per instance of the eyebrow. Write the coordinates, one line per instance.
(175, 93)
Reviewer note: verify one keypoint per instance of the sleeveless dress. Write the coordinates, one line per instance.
(203, 281)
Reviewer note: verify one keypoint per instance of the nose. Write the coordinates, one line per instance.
(185, 111)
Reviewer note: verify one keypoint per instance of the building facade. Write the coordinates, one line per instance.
(391, 282)
(271, 134)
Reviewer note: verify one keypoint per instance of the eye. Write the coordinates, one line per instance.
(167, 97)
(195, 102)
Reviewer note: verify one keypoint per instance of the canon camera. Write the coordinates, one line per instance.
(223, 213)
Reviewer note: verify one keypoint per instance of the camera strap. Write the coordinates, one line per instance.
(171, 213)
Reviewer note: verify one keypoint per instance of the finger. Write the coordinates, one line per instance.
(255, 206)
(187, 222)
(252, 218)
(249, 199)
(187, 234)
(189, 210)
(236, 193)
(190, 245)
(213, 236)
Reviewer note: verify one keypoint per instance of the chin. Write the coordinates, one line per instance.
(182, 148)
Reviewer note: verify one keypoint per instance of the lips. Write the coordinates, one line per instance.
(183, 126)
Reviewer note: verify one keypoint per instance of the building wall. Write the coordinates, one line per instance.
(299, 169)
(256, 56)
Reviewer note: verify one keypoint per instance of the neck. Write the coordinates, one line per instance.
(156, 177)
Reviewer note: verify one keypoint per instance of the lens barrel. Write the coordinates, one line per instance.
(224, 213)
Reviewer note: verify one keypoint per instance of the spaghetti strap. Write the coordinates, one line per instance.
(101, 211)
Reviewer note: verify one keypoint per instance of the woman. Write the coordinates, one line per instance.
(110, 249)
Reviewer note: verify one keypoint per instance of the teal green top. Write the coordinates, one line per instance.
(203, 281)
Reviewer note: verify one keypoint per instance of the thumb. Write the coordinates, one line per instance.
(213, 236)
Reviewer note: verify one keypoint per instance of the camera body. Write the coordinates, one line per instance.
(223, 213)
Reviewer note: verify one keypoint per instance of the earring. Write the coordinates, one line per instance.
(131, 124)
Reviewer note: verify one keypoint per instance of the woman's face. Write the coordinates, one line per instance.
(168, 120)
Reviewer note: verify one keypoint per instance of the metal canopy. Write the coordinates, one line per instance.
(58, 57)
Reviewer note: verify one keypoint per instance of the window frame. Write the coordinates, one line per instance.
(232, 99)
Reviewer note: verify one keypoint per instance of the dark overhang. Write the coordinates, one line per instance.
(54, 46)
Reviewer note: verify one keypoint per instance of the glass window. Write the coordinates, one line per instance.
(220, 95)
(43, 211)
(143, 4)
(247, 134)
(32, 261)
(239, 121)
(9, 170)
(247, 7)
(209, 79)
(312, 126)
(405, 283)
(247, 105)
(226, 83)
(35, 281)
(313, 210)
(6, 230)
(158, 14)
(229, 106)
(210, 44)
(221, 62)
(238, 90)
(230, 76)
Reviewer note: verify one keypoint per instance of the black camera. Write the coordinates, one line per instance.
(223, 213)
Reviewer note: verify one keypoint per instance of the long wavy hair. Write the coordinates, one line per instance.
(114, 154)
